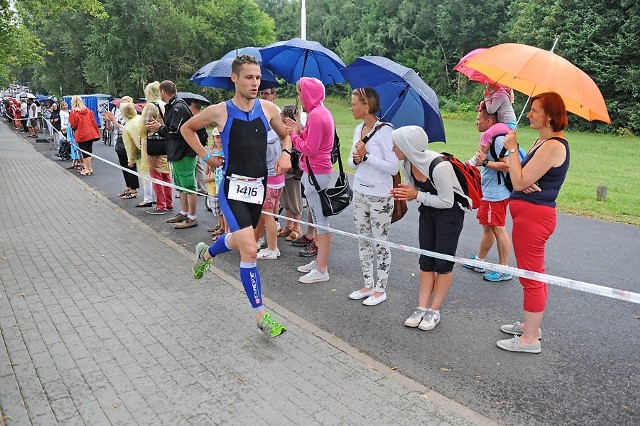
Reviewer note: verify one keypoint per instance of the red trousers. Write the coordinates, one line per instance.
(533, 224)
(163, 193)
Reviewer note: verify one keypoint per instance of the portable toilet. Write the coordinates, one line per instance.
(98, 103)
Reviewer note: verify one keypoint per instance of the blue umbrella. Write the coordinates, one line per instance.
(218, 74)
(252, 51)
(405, 99)
(297, 58)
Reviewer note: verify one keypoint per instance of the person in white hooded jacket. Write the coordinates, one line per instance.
(441, 219)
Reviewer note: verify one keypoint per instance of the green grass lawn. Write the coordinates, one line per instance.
(595, 160)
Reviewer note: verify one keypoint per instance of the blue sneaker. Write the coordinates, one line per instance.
(495, 277)
(473, 268)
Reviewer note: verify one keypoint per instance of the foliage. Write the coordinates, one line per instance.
(143, 41)
(19, 46)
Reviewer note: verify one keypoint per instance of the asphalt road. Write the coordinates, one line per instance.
(587, 373)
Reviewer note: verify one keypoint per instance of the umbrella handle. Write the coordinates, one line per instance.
(555, 43)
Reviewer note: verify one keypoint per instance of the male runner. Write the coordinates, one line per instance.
(244, 122)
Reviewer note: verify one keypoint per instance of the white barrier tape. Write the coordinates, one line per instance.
(545, 278)
(613, 293)
(148, 177)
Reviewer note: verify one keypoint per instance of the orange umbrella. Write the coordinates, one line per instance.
(533, 71)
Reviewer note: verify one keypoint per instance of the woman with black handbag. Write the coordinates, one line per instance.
(315, 143)
(375, 163)
(158, 164)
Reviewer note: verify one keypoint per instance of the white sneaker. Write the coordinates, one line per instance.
(269, 254)
(308, 267)
(261, 243)
(415, 318)
(373, 301)
(314, 276)
(430, 320)
(357, 294)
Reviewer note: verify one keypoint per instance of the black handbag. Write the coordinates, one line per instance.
(156, 144)
(120, 148)
(335, 199)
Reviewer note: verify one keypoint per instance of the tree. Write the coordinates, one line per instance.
(19, 47)
(145, 40)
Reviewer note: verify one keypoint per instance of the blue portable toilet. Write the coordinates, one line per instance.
(98, 103)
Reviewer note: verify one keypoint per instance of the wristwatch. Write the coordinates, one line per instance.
(364, 158)
(512, 150)
(485, 162)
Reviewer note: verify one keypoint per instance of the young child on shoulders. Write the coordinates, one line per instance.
(497, 100)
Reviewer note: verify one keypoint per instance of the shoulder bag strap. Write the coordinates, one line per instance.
(375, 129)
(313, 177)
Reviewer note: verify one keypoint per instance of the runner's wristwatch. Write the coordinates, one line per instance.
(485, 162)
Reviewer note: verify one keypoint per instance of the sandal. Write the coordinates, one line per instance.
(214, 229)
(130, 195)
(125, 192)
(284, 232)
(83, 173)
(294, 235)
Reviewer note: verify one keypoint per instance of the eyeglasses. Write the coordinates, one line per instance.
(266, 93)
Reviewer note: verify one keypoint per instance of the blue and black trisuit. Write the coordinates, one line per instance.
(244, 142)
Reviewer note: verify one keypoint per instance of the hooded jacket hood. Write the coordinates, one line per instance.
(414, 144)
(311, 92)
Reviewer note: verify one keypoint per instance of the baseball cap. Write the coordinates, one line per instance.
(215, 132)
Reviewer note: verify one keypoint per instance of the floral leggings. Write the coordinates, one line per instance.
(372, 216)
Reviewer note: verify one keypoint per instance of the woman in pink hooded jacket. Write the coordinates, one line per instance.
(315, 143)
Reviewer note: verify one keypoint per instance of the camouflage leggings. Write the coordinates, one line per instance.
(372, 216)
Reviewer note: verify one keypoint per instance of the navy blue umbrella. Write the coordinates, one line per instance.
(218, 74)
(251, 51)
(405, 99)
(297, 58)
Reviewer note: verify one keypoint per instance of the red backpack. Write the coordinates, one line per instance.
(468, 176)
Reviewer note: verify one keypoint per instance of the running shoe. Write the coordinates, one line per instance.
(495, 277)
(415, 318)
(302, 241)
(200, 266)
(309, 251)
(474, 268)
(270, 327)
(429, 320)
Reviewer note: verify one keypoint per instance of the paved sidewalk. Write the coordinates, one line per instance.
(101, 323)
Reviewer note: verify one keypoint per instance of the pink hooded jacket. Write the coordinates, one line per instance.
(317, 137)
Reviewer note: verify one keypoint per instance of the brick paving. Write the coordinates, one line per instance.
(101, 323)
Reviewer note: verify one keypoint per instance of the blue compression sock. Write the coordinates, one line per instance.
(219, 246)
(250, 278)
